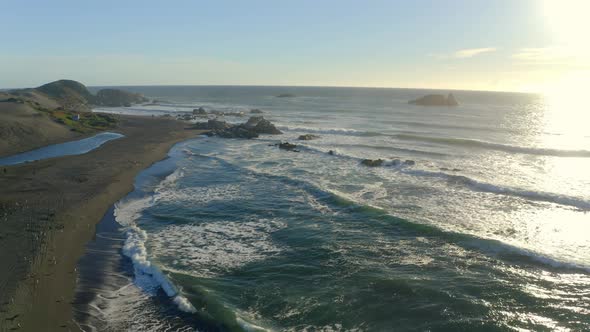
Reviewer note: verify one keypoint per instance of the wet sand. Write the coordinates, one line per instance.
(49, 210)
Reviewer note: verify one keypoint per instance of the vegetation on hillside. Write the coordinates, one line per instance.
(87, 121)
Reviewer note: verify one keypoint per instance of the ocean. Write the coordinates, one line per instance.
(478, 219)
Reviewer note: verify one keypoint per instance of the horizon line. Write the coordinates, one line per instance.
(283, 86)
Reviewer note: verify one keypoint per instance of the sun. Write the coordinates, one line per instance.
(568, 20)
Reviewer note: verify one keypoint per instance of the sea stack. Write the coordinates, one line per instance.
(435, 100)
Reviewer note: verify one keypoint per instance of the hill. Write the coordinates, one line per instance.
(71, 95)
(55, 112)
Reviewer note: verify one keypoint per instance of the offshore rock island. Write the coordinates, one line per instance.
(435, 100)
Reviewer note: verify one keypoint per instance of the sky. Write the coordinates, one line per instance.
(503, 45)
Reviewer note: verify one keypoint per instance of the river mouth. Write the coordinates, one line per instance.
(63, 149)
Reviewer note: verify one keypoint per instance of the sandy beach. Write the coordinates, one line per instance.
(48, 212)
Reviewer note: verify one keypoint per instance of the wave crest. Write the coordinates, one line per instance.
(496, 189)
(465, 142)
(148, 276)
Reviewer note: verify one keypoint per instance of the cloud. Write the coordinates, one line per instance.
(542, 54)
(471, 52)
(563, 56)
(464, 53)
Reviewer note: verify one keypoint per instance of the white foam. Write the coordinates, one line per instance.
(148, 276)
(250, 327)
(496, 146)
(200, 195)
(334, 131)
(497, 189)
(498, 247)
(211, 248)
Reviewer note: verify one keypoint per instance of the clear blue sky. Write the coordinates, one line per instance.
(468, 44)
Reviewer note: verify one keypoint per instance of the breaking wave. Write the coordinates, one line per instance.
(330, 131)
(148, 276)
(496, 189)
(464, 142)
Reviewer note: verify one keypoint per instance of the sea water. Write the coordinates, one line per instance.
(478, 219)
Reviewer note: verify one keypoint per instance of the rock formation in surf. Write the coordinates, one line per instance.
(254, 127)
(200, 111)
(372, 162)
(288, 146)
(307, 137)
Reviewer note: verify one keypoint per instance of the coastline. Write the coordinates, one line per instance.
(49, 212)
(107, 290)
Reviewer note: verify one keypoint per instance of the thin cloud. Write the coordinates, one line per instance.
(542, 54)
(577, 56)
(471, 52)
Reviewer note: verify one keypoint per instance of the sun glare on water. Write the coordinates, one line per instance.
(567, 104)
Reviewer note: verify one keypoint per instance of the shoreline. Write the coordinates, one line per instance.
(107, 276)
(50, 209)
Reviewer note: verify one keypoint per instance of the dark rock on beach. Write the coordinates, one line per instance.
(199, 111)
(212, 124)
(255, 126)
(185, 117)
(307, 137)
(435, 100)
(372, 162)
(256, 111)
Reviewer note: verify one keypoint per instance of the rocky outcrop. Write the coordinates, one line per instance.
(285, 95)
(200, 111)
(451, 101)
(435, 100)
(372, 162)
(262, 126)
(118, 98)
(255, 126)
(212, 124)
(288, 146)
(307, 137)
(256, 111)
